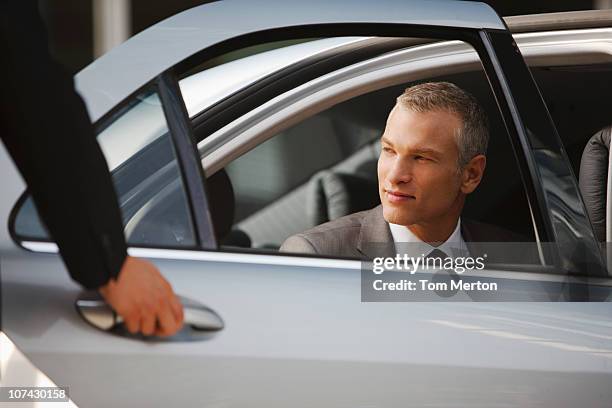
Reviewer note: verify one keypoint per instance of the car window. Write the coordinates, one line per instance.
(576, 97)
(279, 185)
(139, 152)
(324, 168)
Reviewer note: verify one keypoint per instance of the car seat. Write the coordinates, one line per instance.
(333, 194)
(594, 182)
(222, 207)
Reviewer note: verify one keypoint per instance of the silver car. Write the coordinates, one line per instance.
(223, 126)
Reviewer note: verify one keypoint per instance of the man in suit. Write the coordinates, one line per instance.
(45, 128)
(433, 155)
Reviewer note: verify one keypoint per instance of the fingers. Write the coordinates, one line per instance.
(167, 324)
(170, 314)
(161, 317)
(147, 323)
(173, 303)
(177, 309)
(144, 299)
(132, 322)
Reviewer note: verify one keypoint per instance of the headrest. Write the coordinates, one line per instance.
(221, 203)
(333, 195)
(593, 179)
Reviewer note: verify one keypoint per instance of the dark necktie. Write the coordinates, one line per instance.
(442, 275)
(437, 253)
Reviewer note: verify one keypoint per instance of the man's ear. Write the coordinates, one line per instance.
(472, 173)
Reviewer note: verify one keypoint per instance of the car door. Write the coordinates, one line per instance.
(295, 329)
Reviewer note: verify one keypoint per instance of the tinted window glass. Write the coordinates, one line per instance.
(139, 152)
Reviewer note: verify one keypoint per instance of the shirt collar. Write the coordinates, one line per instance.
(453, 246)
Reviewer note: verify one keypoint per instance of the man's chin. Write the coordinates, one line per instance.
(396, 216)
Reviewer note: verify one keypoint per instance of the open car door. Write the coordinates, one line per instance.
(274, 331)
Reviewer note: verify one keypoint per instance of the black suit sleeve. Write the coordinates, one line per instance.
(47, 131)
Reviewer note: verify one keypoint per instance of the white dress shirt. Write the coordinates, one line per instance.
(454, 246)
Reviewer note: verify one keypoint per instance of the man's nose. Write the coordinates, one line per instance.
(400, 172)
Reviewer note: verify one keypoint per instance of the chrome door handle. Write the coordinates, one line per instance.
(199, 320)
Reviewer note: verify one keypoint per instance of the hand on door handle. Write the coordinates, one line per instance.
(198, 319)
(144, 298)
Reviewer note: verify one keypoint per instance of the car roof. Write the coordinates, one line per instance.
(126, 68)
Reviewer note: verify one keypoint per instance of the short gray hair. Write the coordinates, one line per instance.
(473, 137)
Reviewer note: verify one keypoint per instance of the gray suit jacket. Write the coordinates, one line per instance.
(366, 235)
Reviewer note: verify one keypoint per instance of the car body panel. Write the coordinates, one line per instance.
(293, 329)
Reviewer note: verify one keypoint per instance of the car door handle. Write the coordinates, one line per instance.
(198, 319)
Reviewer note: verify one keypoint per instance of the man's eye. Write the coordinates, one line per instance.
(420, 158)
(387, 150)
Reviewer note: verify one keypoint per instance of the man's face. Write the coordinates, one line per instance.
(418, 177)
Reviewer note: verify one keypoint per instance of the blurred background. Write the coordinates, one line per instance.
(82, 30)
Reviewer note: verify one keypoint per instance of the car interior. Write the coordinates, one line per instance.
(325, 167)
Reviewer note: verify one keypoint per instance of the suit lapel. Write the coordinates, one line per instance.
(375, 237)
(469, 231)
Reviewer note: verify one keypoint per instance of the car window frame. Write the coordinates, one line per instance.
(185, 152)
(532, 181)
